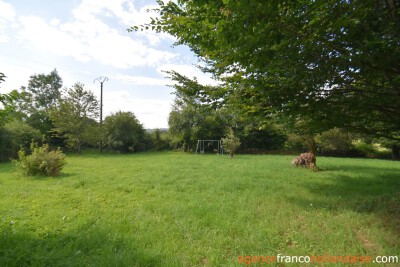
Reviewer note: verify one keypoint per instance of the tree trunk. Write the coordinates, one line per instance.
(395, 152)
(79, 147)
(312, 148)
(186, 145)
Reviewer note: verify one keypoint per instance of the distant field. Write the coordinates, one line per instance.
(176, 209)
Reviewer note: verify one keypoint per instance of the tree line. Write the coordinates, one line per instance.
(44, 111)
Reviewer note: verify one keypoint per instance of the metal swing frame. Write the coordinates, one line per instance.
(201, 146)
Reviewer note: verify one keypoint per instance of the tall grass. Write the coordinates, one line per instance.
(175, 209)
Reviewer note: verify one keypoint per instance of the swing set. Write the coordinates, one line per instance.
(209, 145)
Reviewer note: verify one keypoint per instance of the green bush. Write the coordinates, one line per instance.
(124, 132)
(42, 161)
(6, 144)
(295, 142)
(13, 135)
(372, 150)
(334, 141)
(365, 148)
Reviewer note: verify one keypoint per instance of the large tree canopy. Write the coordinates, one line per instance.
(336, 62)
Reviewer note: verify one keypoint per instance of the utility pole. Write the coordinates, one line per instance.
(101, 80)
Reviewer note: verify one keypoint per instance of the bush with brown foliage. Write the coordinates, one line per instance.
(307, 160)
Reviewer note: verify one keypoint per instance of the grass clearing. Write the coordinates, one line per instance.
(176, 209)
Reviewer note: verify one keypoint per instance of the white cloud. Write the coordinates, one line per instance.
(7, 15)
(55, 22)
(124, 10)
(18, 73)
(4, 38)
(7, 11)
(49, 38)
(94, 33)
(126, 14)
(88, 38)
(122, 52)
(152, 113)
(141, 80)
(189, 71)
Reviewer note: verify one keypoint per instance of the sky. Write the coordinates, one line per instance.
(86, 39)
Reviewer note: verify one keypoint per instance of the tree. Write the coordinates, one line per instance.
(74, 116)
(182, 120)
(230, 143)
(334, 141)
(197, 112)
(256, 137)
(6, 102)
(124, 132)
(392, 145)
(37, 99)
(332, 62)
(42, 92)
(159, 139)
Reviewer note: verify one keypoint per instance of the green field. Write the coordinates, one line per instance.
(176, 209)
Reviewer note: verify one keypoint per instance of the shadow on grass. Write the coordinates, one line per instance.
(95, 154)
(44, 177)
(364, 169)
(88, 246)
(362, 189)
(7, 167)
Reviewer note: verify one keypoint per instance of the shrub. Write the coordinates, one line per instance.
(159, 139)
(261, 138)
(42, 161)
(295, 142)
(13, 135)
(124, 132)
(231, 143)
(334, 142)
(6, 144)
(371, 150)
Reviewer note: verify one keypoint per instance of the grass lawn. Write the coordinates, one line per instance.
(176, 209)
